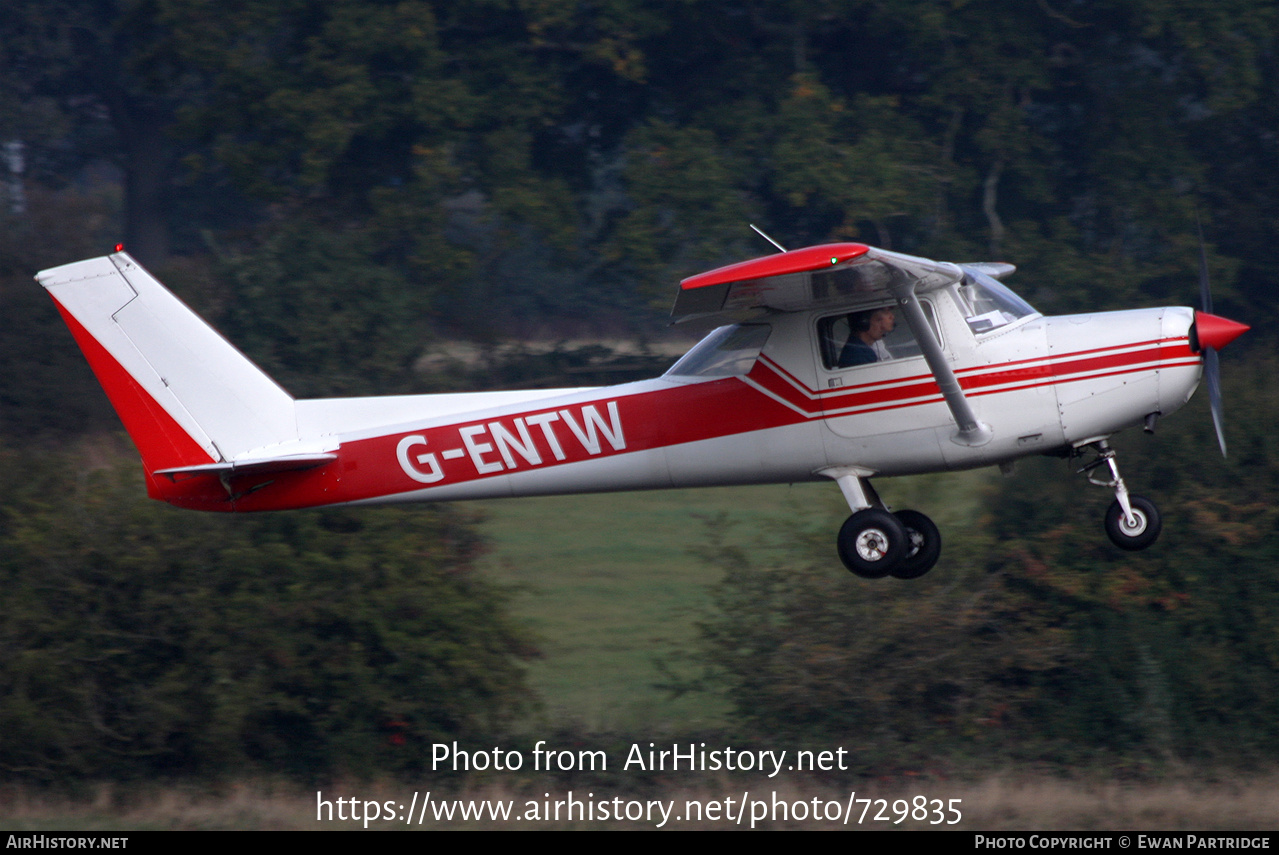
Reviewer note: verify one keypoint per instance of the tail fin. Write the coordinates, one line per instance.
(185, 394)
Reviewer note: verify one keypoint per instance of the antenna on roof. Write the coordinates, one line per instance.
(760, 232)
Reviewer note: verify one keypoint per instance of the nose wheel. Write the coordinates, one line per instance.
(1132, 522)
(1135, 531)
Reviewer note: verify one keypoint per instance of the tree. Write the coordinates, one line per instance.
(88, 68)
(1177, 642)
(1034, 638)
(138, 640)
(952, 664)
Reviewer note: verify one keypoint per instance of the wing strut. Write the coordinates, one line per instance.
(971, 431)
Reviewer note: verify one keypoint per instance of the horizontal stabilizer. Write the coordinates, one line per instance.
(264, 466)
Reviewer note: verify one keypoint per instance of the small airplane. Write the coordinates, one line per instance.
(808, 377)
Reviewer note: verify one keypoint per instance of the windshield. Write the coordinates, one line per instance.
(726, 352)
(988, 304)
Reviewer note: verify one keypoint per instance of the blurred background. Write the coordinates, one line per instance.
(391, 197)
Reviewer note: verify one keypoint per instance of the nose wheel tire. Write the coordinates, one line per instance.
(872, 543)
(923, 545)
(1143, 530)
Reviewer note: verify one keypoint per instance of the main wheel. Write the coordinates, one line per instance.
(923, 545)
(1140, 535)
(872, 543)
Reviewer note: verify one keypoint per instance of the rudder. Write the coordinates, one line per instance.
(186, 395)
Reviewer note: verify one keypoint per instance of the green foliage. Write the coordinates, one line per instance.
(138, 640)
(316, 310)
(807, 652)
(296, 96)
(545, 156)
(864, 161)
(1178, 642)
(1035, 637)
(370, 170)
(686, 206)
(46, 387)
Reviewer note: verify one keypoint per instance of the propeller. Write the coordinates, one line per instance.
(1210, 334)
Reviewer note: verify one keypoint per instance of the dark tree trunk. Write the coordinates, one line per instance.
(147, 176)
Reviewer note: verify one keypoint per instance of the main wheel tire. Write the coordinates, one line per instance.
(1144, 533)
(872, 543)
(923, 545)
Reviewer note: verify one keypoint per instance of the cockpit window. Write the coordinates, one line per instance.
(864, 337)
(987, 304)
(727, 352)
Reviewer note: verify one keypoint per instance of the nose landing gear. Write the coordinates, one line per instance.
(1132, 522)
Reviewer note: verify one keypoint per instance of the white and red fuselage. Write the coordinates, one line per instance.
(216, 434)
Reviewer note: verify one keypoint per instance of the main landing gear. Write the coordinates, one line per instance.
(1132, 522)
(874, 543)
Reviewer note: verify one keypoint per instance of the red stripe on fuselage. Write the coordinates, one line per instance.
(520, 442)
(620, 423)
(1010, 376)
(675, 415)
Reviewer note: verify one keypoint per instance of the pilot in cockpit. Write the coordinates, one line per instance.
(865, 342)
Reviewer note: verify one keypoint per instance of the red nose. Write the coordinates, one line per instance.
(1215, 332)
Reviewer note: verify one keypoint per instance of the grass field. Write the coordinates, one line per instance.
(611, 586)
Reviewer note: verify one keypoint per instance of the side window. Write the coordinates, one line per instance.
(867, 336)
(726, 352)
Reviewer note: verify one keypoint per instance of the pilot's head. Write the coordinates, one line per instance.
(872, 325)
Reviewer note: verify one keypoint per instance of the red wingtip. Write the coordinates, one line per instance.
(808, 259)
(1217, 332)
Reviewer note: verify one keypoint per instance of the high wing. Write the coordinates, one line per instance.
(830, 276)
(825, 276)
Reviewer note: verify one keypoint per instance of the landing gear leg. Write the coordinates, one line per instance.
(1132, 522)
